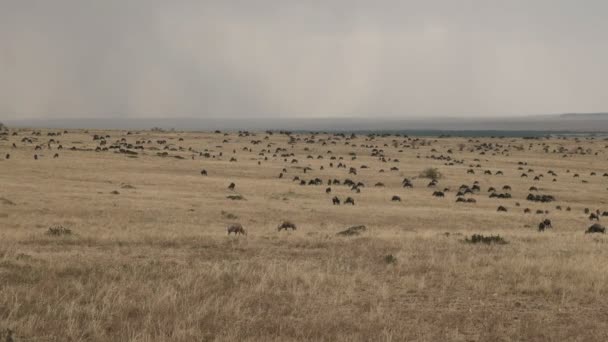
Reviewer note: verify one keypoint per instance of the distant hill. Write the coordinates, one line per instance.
(576, 123)
(585, 116)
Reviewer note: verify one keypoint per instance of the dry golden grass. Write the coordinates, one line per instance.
(153, 262)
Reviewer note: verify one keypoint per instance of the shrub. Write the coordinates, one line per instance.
(492, 239)
(431, 173)
(58, 231)
(390, 259)
(355, 230)
(229, 216)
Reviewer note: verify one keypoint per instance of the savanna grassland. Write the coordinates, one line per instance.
(129, 243)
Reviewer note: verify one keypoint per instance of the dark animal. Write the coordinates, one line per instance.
(336, 200)
(236, 228)
(396, 199)
(438, 194)
(545, 224)
(349, 200)
(203, 172)
(501, 208)
(596, 228)
(231, 186)
(286, 225)
(328, 190)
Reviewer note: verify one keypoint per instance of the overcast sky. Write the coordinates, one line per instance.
(297, 58)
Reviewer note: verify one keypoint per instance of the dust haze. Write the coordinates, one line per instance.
(289, 59)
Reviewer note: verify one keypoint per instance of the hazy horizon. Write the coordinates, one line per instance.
(287, 59)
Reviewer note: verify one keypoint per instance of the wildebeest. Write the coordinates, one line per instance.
(501, 208)
(231, 186)
(336, 200)
(203, 172)
(438, 194)
(8, 156)
(236, 228)
(593, 216)
(349, 200)
(286, 225)
(546, 223)
(56, 155)
(35, 157)
(328, 190)
(596, 228)
(396, 198)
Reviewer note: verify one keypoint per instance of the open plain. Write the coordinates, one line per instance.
(121, 236)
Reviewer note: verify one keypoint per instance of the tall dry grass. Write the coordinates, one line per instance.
(153, 263)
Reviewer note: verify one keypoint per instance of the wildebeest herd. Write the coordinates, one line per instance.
(391, 168)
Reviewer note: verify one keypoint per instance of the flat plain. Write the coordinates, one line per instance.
(120, 237)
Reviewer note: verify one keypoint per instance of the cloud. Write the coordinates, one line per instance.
(135, 58)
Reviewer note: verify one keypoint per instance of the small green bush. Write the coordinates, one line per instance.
(431, 173)
(492, 239)
(58, 231)
(390, 259)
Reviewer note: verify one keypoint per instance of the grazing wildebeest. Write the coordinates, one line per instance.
(593, 216)
(545, 224)
(286, 225)
(438, 194)
(349, 200)
(8, 156)
(231, 186)
(596, 228)
(396, 199)
(56, 155)
(501, 208)
(203, 172)
(35, 157)
(328, 190)
(336, 200)
(236, 228)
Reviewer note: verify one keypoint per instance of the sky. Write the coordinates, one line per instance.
(304, 59)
